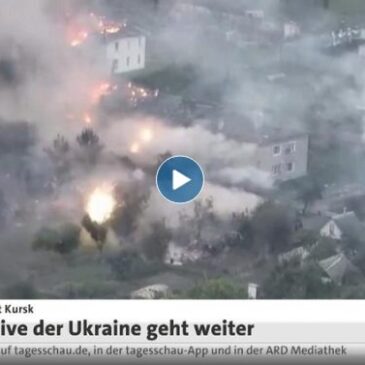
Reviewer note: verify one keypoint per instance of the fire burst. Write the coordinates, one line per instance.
(146, 135)
(79, 39)
(101, 205)
(135, 148)
(101, 90)
(87, 118)
(105, 26)
(138, 94)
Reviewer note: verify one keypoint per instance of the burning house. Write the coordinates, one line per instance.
(125, 52)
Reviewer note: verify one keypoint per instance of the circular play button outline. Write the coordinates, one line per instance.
(173, 172)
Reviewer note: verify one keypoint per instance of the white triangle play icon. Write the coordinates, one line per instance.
(179, 180)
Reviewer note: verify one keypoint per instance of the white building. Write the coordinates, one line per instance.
(278, 152)
(291, 30)
(126, 53)
(342, 225)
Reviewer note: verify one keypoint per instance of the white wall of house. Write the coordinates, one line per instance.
(126, 54)
(252, 291)
(285, 160)
(291, 30)
(331, 230)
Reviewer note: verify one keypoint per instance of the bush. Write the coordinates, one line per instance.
(46, 239)
(156, 243)
(63, 240)
(129, 264)
(217, 289)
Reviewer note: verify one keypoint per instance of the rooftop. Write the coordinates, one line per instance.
(243, 129)
(314, 223)
(349, 224)
(123, 33)
(336, 267)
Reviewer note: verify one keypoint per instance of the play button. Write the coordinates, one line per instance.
(180, 179)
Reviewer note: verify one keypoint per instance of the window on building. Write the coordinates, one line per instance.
(129, 44)
(139, 60)
(276, 169)
(116, 46)
(276, 150)
(290, 148)
(115, 65)
(290, 166)
(128, 61)
(140, 42)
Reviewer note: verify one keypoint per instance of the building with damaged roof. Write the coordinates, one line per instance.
(343, 225)
(337, 268)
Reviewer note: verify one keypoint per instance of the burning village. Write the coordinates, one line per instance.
(266, 96)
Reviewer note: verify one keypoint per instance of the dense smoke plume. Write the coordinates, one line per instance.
(58, 90)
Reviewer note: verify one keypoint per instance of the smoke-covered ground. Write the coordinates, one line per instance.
(51, 91)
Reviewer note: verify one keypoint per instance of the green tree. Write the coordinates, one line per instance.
(309, 191)
(193, 227)
(90, 146)
(155, 244)
(292, 281)
(272, 227)
(59, 154)
(69, 235)
(243, 235)
(132, 203)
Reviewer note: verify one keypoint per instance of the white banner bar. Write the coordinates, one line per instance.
(180, 330)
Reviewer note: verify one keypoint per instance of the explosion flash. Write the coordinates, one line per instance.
(105, 26)
(103, 89)
(87, 118)
(79, 39)
(146, 135)
(136, 94)
(135, 148)
(100, 205)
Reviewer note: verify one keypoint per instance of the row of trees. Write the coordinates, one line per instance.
(62, 155)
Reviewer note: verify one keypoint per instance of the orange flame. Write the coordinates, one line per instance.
(79, 38)
(87, 118)
(99, 91)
